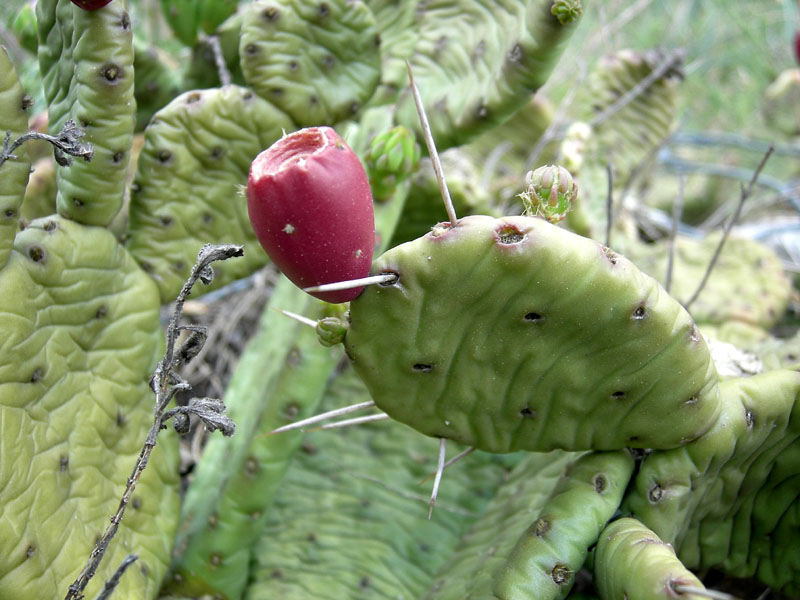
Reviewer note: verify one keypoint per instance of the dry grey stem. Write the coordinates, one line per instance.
(745, 193)
(65, 144)
(164, 384)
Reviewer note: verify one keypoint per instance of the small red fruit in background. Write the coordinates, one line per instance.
(797, 46)
(310, 206)
(90, 4)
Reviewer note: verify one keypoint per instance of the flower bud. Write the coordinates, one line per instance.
(550, 193)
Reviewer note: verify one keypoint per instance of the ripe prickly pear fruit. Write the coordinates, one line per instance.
(310, 206)
(90, 4)
(550, 193)
(797, 46)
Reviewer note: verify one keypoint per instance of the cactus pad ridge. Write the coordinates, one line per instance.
(86, 60)
(197, 151)
(633, 562)
(462, 345)
(81, 337)
(14, 103)
(547, 555)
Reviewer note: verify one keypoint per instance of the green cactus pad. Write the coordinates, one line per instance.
(546, 557)
(317, 61)
(632, 562)
(350, 520)
(531, 539)
(14, 104)
(629, 135)
(512, 333)
(475, 71)
(86, 60)
(483, 550)
(196, 155)
(729, 498)
(81, 337)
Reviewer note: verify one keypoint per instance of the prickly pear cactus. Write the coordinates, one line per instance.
(626, 137)
(14, 104)
(81, 337)
(86, 60)
(633, 562)
(532, 539)
(318, 62)
(728, 499)
(461, 346)
(362, 483)
(479, 69)
(196, 155)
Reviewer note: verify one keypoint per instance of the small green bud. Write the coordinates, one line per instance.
(550, 193)
(392, 156)
(567, 11)
(331, 331)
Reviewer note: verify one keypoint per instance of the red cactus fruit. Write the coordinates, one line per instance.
(311, 208)
(797, 46)
(90, 4)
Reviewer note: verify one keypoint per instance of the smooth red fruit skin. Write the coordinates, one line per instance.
(310, 206)
(797, 46)
(90, 4)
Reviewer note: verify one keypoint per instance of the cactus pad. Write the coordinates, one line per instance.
(632, 562)
(511, 333)
(196, 154)
(475, 71)
(81, 337)
(86, 60)
(350, 520)
(14, 104)
(729, 498)
(317, 61)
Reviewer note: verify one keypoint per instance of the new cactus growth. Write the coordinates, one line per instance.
(310, 206)
(550, 194)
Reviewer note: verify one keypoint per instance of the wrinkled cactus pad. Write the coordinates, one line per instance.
(633, 562)
(512, 333)
(475, 71)
(318, 62)
(536, 531)
(14, 104)
(80, 338)
(350, 519)
(197, 153)
(729, 499)
(86, 60)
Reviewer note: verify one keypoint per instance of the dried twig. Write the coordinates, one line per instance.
(65, 143)
(112, 583)
(165, 383)
(745, 193)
